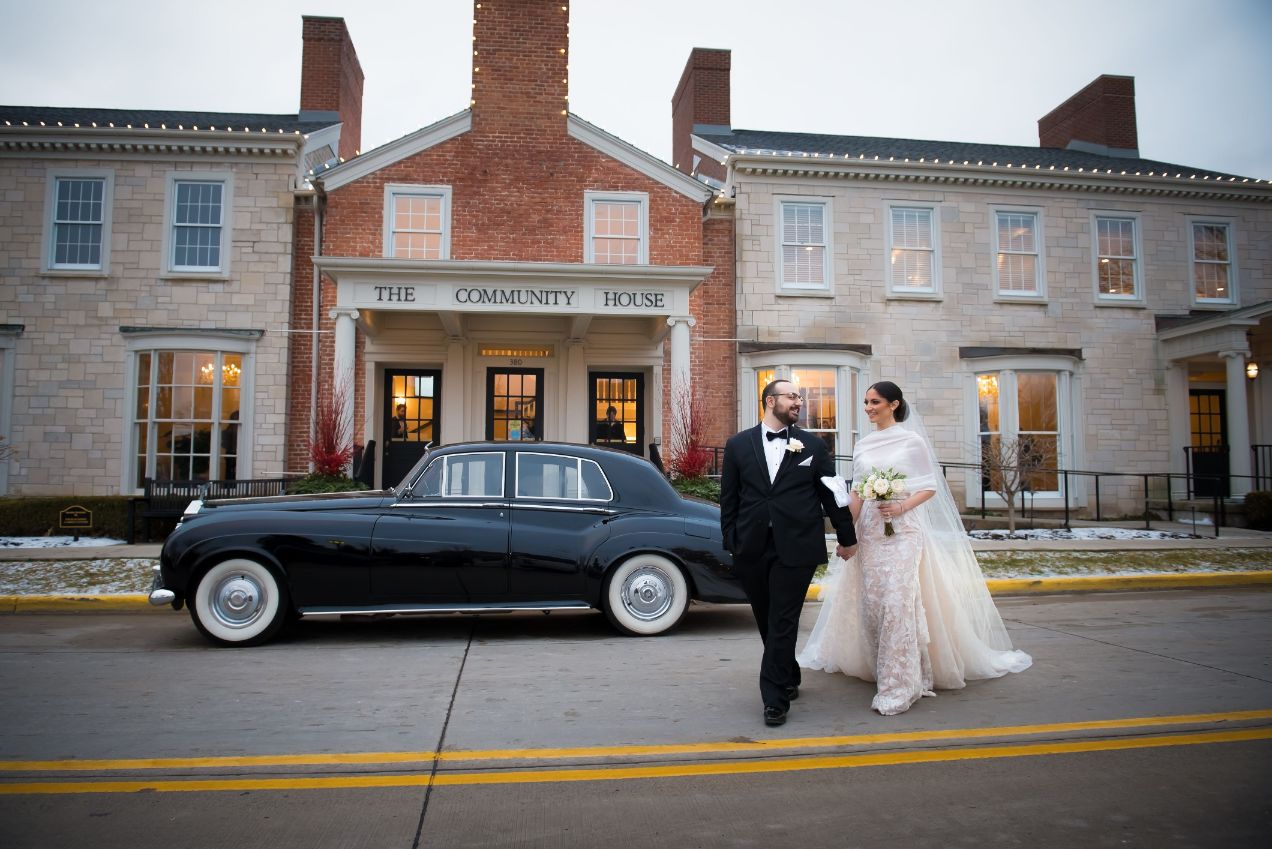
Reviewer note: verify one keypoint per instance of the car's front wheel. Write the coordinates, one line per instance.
(239, 602)
(646, 595)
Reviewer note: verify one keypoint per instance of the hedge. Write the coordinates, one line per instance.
(38, 516)
(1258, 510)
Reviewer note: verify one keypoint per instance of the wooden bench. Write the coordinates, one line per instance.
(169, 499)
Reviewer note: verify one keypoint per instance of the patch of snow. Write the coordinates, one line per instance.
(1078, 533)
(57, 542)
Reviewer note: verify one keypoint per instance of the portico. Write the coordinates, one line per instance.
(1216, 401)
(508, 350)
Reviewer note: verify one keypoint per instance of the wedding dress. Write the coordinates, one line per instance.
(909, 611)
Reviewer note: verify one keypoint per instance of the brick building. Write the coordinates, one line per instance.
(1101, 305)
(509, 272)
(145, 284)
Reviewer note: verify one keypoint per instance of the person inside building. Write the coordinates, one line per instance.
(402, 426)
(610, 430)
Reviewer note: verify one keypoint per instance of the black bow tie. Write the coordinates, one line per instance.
(781, 434)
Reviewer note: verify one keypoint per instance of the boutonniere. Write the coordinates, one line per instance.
(794, 446)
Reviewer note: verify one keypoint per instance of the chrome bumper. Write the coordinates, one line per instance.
(158, 595)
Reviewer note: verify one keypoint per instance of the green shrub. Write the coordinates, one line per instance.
(316, 484)
(702, 487)
(38, 516)
(1258, 507)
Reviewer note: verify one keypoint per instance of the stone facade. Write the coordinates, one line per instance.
(74, 376)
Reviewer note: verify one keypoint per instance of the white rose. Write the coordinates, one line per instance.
(881, 487)
(898, 486)
(794, 446)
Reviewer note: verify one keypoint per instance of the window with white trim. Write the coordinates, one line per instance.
(912, 251)
(616, 227)
(1018, 259)
(1023, 404)
(1212, 263)
(77, 234)
(417, 222)
(1117, 267)
(827, 380)
(187, 416)
(199, 222)
(804, 245)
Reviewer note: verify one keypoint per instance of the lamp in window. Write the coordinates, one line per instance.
(1252, 369)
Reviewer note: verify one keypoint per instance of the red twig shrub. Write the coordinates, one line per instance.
(331, 445)
(688, 457)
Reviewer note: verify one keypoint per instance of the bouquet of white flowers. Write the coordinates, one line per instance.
(881, 485)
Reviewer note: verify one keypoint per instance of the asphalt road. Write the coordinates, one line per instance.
(1145, 721)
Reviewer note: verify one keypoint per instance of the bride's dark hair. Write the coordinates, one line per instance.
(891, 392)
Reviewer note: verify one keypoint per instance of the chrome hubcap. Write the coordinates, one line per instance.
(237, 601)
(647, 593)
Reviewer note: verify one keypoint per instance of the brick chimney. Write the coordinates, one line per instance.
(1098, 119)
(700, 104)
(520, 67)
(331, 79)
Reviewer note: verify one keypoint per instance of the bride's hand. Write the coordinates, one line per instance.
(843, 552)
(890, 510)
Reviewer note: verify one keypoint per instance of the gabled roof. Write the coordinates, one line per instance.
(54, 116)
(779, 144)
(333, 175)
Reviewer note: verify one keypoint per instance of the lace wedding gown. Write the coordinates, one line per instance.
(909, 611)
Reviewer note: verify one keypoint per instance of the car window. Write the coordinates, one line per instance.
(463, 476)
(554, 476)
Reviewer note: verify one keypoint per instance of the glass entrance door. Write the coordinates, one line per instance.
(1208, 455)
(618, 410)
(411, 410)
(514, 404)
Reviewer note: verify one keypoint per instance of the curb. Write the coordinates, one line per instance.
(1113, 583)
(115, 603)
(139, 603)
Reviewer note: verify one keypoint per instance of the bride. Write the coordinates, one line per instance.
(910, 609)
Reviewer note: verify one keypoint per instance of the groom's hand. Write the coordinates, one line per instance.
(843, 552)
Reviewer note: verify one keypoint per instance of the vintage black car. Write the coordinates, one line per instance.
(474, 528)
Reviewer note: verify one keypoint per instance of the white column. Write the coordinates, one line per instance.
(342, 365)
(1177, 418)
(681, 383)
(577, 425)
(455, 380)
(1238, 423)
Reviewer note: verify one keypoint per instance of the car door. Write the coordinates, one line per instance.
(446, 541)
(561, 509)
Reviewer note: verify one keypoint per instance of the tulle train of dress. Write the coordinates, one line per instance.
(909, 611)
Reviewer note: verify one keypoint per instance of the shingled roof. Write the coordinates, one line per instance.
(53, 116)
(763, 142)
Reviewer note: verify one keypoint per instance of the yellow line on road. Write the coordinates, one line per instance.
(644, 772)
(722, 747)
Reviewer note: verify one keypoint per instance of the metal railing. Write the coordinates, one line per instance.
(1196, 486)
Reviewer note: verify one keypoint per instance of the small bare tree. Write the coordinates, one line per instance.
(1013, 467)
(6, 448)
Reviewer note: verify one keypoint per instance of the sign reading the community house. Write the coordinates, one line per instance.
(75, 517)
(596, 299)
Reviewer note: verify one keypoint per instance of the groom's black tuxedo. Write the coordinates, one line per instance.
(791, 505)
(777, 537)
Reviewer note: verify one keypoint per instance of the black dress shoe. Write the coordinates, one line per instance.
(774, 716)
(792, 692)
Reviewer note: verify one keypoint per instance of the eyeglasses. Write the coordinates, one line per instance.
(789, 396)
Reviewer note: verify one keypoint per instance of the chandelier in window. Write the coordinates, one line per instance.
(229, 373)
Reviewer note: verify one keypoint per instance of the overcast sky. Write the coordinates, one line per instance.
(982, 71)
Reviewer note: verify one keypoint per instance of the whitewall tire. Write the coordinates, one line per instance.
(646, 595)
(239, 602)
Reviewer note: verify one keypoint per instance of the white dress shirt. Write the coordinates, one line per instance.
(774, 449)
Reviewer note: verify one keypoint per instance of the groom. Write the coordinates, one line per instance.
(771, 502)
